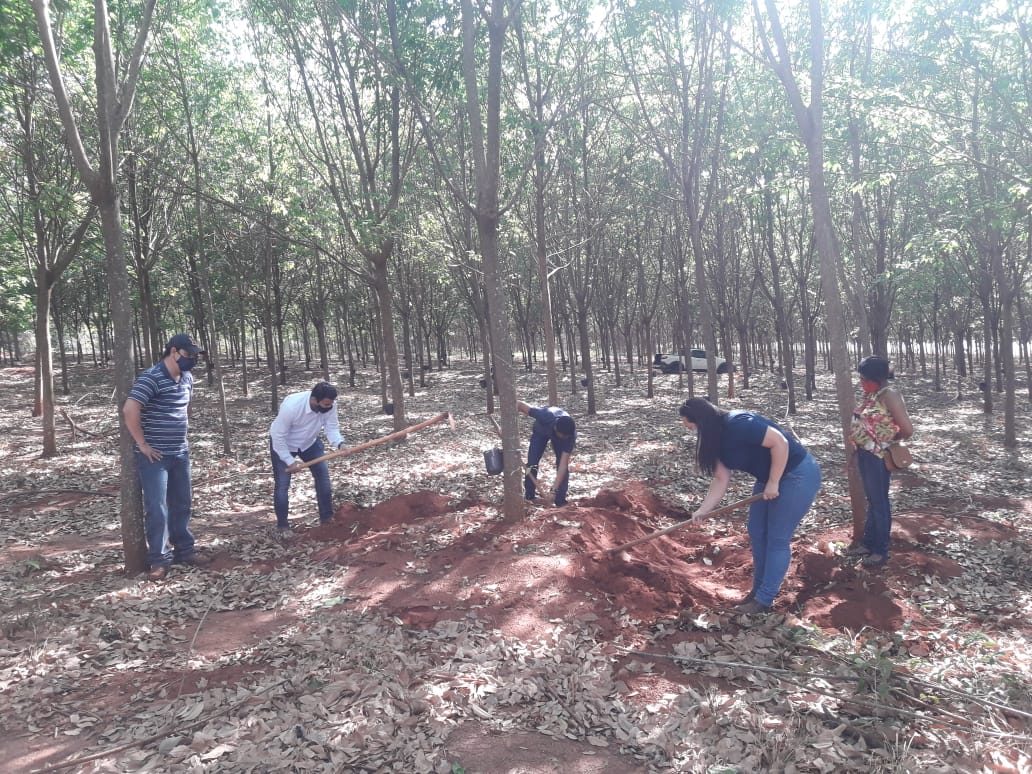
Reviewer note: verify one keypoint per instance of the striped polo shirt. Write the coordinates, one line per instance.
(163, 413)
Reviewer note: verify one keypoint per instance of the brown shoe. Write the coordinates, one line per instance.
(157, 573)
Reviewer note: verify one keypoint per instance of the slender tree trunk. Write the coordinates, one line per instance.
(810, 123)
(392, 369)
(44, 362)
(134, 541)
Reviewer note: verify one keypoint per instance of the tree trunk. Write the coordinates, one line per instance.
(382, 289)
(134, 542)
(811, 126)
(45, 362)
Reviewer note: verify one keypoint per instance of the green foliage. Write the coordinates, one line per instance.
(290, 106)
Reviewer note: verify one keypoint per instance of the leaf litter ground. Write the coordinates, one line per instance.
(421, 632)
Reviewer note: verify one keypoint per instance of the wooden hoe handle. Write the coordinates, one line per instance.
(686, 522)
(377, 441)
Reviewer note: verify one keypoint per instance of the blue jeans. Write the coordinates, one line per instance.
(538, 444)
(281, 479)
(166, 508)
(772, 523)
(875, 477)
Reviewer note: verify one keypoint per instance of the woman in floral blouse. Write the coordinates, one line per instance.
(879, 420)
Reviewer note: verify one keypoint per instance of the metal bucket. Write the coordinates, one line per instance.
(493, 461)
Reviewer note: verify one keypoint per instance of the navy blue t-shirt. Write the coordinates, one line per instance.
(164, 402)
(544, 424)
(741, 444)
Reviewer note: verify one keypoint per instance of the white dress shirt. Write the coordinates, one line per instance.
(296, 426)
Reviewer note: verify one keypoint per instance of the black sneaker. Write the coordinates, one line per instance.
(194, 560)
(752, 607)
(874, 561)
(857, 549)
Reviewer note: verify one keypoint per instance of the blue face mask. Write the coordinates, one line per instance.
(186, 363)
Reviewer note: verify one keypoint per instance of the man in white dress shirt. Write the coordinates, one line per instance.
(294, 439)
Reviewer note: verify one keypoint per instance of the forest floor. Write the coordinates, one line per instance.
(419, 632)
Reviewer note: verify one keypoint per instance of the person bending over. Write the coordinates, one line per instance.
(786, 474)
(553, 426)
(294, 439)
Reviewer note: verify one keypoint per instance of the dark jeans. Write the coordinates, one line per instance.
(875, 478)
(538, 444)
(773, 522)
(166, 508)
(281, 479)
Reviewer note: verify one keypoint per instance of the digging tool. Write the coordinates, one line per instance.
(385, 439)
(549, 497)
(658, 533)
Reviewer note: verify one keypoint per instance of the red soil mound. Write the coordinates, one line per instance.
(425, 559)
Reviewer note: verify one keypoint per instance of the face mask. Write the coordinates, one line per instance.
(186, 363)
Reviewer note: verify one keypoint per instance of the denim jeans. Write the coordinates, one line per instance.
(281, 480)
(538, 444)
(875, 478)
(166, 508)
(772, 523)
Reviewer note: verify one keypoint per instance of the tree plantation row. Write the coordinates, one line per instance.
(582, 182)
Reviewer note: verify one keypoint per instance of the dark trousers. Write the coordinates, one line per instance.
(538, 444)
(320, 473)
(875, 478)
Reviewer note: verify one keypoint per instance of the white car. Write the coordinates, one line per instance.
(671, 364)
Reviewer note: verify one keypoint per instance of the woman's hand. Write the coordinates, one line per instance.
(772, 490)
(700, 516)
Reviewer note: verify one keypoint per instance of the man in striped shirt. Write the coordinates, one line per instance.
(294, 440)
(156, 415)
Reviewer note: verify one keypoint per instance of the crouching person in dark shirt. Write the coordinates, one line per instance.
(555, 426)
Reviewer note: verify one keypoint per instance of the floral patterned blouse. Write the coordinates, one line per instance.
(873, 427)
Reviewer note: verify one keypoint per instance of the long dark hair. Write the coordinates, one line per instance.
(709, 422)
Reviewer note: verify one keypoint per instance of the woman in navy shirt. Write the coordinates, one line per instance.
(786, 474)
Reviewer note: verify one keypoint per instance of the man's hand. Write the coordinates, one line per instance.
(297, 467)
(699, 516)
(149, 451)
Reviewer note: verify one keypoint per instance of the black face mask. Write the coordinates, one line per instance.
(186, 363)
(321, 409)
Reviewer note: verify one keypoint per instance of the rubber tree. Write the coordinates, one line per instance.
(115, 90)
(358, 137)
(45, 203)
(685, 125)
(186, 78)
(550, 43)
(809, 117)
(465, 123)
(484, 108)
